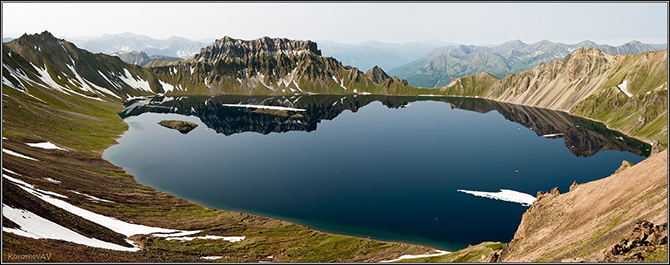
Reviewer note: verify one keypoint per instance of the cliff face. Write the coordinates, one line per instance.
(269, 66)
(586, 222)
(228, 47)
(627, 92)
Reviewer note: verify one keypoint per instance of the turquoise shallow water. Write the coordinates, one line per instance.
(382, 167)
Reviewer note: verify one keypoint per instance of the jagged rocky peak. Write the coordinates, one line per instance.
(35, 47)
(228, 47)
(36, 40)
(44, 36)
(588, 51)
(377, 75)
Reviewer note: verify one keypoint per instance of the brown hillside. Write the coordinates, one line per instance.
(587, 221)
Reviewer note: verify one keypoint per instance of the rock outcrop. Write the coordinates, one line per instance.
(183, 127)
(228, 47)
(377, 75)
(644, 240)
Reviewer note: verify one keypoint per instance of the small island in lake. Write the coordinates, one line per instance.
(181, 126)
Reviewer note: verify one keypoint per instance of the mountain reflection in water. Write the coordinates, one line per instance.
(582, 137)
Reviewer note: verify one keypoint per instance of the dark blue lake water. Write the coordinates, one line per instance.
(388, 168)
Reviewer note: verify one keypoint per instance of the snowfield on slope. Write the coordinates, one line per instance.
(30, 221)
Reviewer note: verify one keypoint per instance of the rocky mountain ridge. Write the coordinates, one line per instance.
(228, 47)
(438, 66)
(41, 61)
(269, 66)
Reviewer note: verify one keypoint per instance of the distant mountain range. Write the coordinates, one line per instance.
(142, 58)
(440, 65)
(127, 42)
(372, 53)
(430, 63)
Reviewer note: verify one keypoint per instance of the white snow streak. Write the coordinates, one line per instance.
(505, 195)
(34, 226)
(261, 107)
(127, 229)
(226, 238)
(182, 233)
(46, 145)
(115, 225)
(10, 152)
(167, 87)
(135, 82)
(92, 198)
(622, 86)
(52, 180)
(439, 253)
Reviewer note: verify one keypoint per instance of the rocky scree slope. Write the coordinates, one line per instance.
(627, 92)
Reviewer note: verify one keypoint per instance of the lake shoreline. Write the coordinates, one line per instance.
(185, 106)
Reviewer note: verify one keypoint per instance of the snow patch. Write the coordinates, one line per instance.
(505, 195)
(46, 145)
(341, 82)
(622, 86)
(439, 253)
(114, 224)
(552, 135)
(182, 233)
(225, 238)
(260, 78)
(11, 171)
(34, 226)
(261, 107)
(212, 257)
(114, 84)
(135, 82)
(52, 180)
(10, 152)
(92, 198)
(167, 87)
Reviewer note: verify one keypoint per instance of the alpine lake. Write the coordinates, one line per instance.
(390, 168)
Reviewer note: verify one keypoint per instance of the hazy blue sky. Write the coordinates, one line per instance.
(467, 23)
